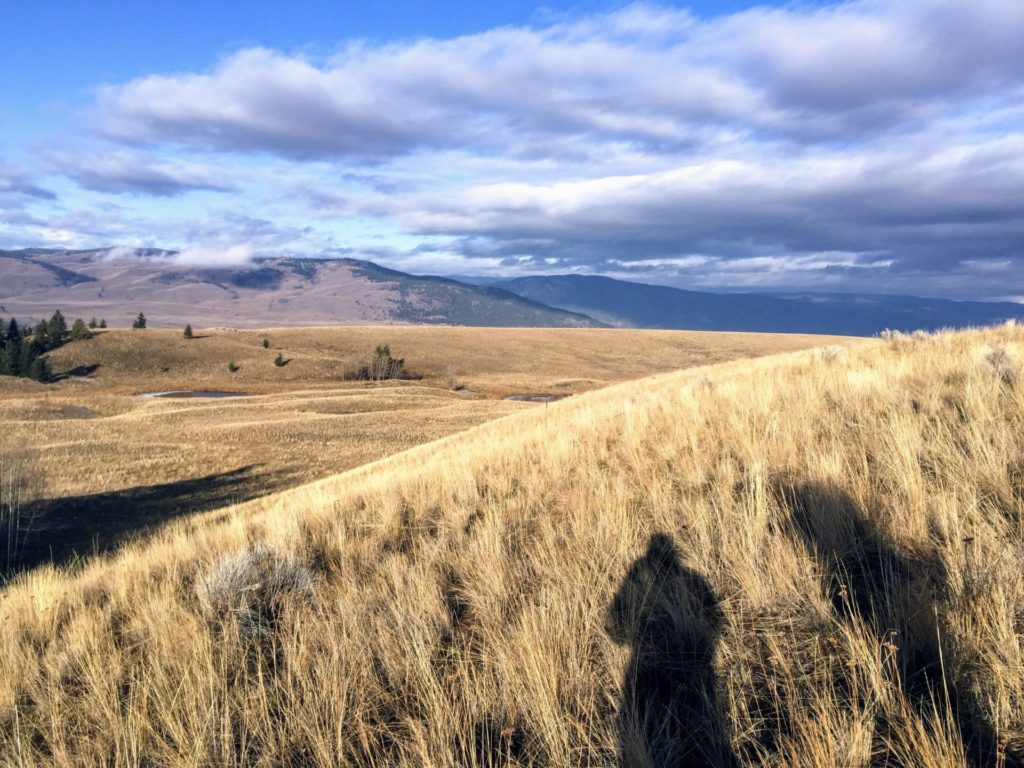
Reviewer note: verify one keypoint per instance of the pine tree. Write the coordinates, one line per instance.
(188, 331)
(92, 324)
(266, 343)
(31, 351)
(41, 335)
(79, 330)
(140, 322)
(56, 330)
(103, 323)
(10, 354)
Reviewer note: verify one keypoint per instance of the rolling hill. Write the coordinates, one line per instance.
(639, 305)
(813, 559)
(151, 459)
(108, 284)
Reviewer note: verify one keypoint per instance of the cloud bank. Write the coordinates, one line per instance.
(867, 145)
(212, 256)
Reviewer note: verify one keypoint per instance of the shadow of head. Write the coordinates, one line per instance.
(660, 598)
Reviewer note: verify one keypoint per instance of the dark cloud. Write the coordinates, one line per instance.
(104, 169)
(14, 183)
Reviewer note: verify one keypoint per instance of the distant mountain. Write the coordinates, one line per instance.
(639, 305)
(115, 285)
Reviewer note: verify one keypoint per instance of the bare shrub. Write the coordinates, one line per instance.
(1001, 364)
(452, 373)
(252, 587)
(705, 383)
(830, 353)
(920, 335)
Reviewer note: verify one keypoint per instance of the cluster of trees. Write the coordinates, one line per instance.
(22, 352)
(382, 366)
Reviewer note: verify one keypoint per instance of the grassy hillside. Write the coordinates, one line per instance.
(108, 465)
(495, 361)
(815, 559)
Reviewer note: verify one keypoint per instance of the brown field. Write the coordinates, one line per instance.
(815, 559)
(108, 463)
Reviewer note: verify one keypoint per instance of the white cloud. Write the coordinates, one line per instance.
(210, 256)
(238, 255)
(647, 75)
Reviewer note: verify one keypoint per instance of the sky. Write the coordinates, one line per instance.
(870, 146)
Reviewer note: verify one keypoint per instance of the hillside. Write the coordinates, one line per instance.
(108, 464)
(110, 284)
(638, 305)
(814, 559)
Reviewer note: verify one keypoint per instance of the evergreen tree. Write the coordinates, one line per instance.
(188, 332)
(140, 322)
(266, 343)
(41, 335)
(56, 330)
(103, 323)
(31, 351)
(79, 330)
(92, 324)
(10, 352)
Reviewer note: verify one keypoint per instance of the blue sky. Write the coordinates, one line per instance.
(867, 145)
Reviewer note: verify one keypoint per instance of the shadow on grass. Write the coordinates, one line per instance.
(896, 594)
(79, 372)
(669, 713)
(59, 530)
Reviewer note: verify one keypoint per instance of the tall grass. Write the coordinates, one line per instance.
(805, 560)
(19, 485)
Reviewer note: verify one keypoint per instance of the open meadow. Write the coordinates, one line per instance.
(810, 559)
(97, 462)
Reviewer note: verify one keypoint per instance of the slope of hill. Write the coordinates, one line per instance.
(809, 560)
(152, 459)
(638, 305)
(270, 292)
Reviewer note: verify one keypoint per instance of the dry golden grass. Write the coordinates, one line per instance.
(815, 559)
(110, 463)
(307, 422)
(492, 361)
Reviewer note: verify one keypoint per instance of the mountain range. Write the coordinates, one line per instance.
(110, 284)
(639, 305)
(116, 284)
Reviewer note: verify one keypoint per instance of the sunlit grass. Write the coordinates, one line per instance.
(855, 521)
